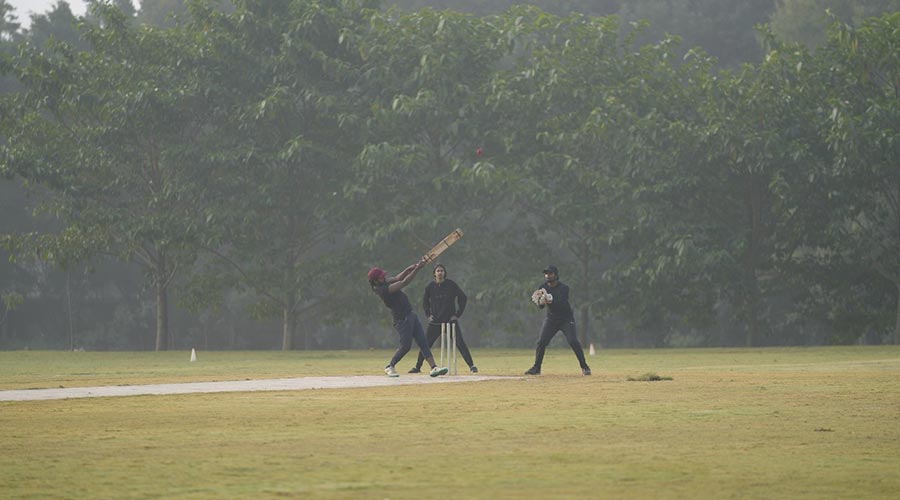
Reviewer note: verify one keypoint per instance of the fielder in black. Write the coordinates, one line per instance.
(554, 295)
(444, 302)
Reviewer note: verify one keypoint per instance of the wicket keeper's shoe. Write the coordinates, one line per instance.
(391, 372)
(533, 371)
(415, 369)
(473, 369)
(436, 372)
(586, 371)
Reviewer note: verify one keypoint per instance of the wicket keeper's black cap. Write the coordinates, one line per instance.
(551, 269)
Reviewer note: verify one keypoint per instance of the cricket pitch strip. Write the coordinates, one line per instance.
(281, 384)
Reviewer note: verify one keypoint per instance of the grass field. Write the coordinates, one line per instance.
(797, 423)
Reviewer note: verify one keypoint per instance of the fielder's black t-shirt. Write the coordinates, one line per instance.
(397, 302)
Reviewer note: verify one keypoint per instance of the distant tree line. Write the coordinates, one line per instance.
(222, 174)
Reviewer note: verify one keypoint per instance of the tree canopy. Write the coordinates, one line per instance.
(255, 158)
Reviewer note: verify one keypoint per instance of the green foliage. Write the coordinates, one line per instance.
(9, 25)
(426, 77)
(559, 160)
(807, 21)
(288, 137)
(10, 35)
(58, 25)
(862, 68)
(482, 8)
(163, 13)
(723, 28)
(111, 137)
(10, 300)
(260, 156)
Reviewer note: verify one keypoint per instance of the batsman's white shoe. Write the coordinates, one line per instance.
(391, 372)
(437, 371)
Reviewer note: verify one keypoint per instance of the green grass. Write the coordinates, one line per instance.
(797, 423)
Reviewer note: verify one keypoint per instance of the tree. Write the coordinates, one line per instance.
(571, 107)
(723, 28)
(10, 36)
(291, 70)
(862, 68)
(481, 8)
(164, 13)
(109, 139)
(9, 27)
(760, 156)
(426, 75)
(807, 21)
(59, 25)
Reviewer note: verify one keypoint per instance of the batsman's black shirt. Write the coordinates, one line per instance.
(560, 307)
(397, 302)
(440, 300)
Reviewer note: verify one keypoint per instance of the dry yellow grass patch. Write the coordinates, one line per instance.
(771, 423)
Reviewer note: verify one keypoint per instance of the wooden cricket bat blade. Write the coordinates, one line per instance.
(444, 244)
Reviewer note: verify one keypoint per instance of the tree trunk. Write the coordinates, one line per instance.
(69, 309)
(897, 320)
(752, 261)
(4, 319)
(162, 314)
(305, 335)
(753, 327)
(162, 303)
(287, 338)
(588, 298)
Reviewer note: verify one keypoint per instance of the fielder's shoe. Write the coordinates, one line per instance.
(533, 371)
(473, 369)
(436, 372)
(586, 371)
(415, 369)
(390, 372)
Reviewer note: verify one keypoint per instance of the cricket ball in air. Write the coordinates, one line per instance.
(479, 152)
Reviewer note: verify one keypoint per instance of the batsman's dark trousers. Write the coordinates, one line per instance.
(410, 328)
(549, 330)
(434, 331)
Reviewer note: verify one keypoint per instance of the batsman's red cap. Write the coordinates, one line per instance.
(376, 272)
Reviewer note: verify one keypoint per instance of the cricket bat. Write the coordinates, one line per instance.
(444, 244)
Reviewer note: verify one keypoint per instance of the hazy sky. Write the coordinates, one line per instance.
(24, 8)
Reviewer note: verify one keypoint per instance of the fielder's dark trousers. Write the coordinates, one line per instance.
(551, 327)
(410, 328)
(434, 331)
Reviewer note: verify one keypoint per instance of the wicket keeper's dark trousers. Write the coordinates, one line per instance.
(410, 328)
(551, 326)
(434, 331)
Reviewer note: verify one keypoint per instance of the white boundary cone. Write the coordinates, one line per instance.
(194, 354)
(591, 351)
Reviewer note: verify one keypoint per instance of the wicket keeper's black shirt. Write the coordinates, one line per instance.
(397, 302)
(559, 308)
